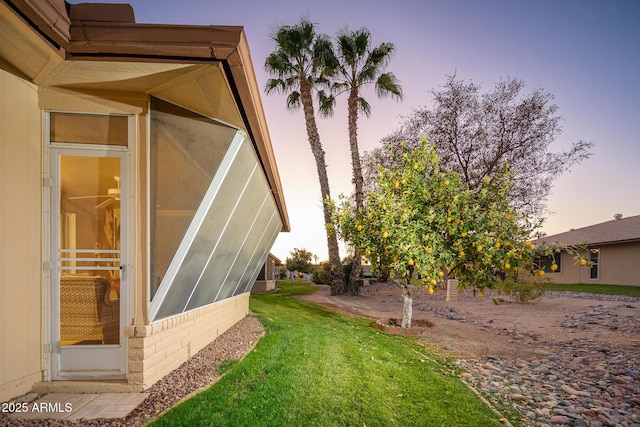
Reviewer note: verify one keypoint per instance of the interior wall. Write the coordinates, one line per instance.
(20, 236)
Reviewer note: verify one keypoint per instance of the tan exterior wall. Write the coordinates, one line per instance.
(157, 349)
(21, 308)
(264, 286)
(618, 265)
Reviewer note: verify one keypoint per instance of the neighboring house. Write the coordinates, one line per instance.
(613, 250)
(266, 280)
(139, 194)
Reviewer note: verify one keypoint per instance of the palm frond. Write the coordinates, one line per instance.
(325, 103)
(325, 61)
(293, 101)
(388, 85)
(364, 106)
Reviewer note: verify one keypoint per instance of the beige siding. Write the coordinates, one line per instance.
(619, 265)
(20, 236)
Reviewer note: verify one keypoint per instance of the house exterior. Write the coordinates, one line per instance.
(139, 194)
(613, 249)
(268, 275)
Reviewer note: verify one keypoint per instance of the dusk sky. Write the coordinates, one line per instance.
(586, 53)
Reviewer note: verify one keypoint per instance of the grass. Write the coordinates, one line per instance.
(315, 367)
(630, 291)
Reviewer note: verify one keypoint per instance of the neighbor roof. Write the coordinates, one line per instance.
(614, 231)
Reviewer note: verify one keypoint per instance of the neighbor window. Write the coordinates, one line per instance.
(594, 257)
(545, 263)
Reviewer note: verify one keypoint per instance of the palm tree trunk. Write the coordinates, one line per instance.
(336, 273)
(354, 282)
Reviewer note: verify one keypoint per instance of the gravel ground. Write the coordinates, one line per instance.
(198, 372)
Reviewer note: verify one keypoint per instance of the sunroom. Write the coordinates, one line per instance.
(161, 195)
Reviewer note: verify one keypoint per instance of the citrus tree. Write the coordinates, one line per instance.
(423, 225)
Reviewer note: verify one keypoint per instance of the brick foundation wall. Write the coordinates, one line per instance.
(158, 348)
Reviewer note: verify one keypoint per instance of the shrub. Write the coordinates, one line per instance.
(521, 291)
(321, 274)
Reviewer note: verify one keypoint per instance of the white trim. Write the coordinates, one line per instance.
(51, 203)
(47, 347)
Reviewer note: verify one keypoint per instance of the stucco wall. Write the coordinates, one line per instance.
(618, 265)
(157, 349)
(20, 236)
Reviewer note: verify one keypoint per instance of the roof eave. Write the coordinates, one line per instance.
(111, 39)
(184, 43)
(49, 18)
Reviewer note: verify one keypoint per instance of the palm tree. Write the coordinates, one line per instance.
(358, 64)
(297, 64)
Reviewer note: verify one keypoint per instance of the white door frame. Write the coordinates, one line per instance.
(84, 361)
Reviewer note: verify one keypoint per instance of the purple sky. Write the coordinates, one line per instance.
(586, 53)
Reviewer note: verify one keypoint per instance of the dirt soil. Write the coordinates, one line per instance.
(473, 327)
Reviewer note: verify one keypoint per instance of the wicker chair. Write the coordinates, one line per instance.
(86, 311)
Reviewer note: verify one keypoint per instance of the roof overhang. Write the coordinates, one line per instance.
(100, 47)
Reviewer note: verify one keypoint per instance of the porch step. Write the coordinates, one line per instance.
(86, 387)
(75, 406)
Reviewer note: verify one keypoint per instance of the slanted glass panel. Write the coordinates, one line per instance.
(228, 239)
(225, 195)
(232, 243)
(89, 129)
(186, 152)
(251, 263)
(271, 231)
(246, 253)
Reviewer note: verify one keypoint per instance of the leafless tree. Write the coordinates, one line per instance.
(477, 133)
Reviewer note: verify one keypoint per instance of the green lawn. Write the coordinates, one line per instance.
(630, 291)
(315, 367)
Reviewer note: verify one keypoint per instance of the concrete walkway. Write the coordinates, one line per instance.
(76, 406)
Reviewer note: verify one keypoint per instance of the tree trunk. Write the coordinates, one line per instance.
(407, 310)
(352, 287)
(354, 282)
(337, 276)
